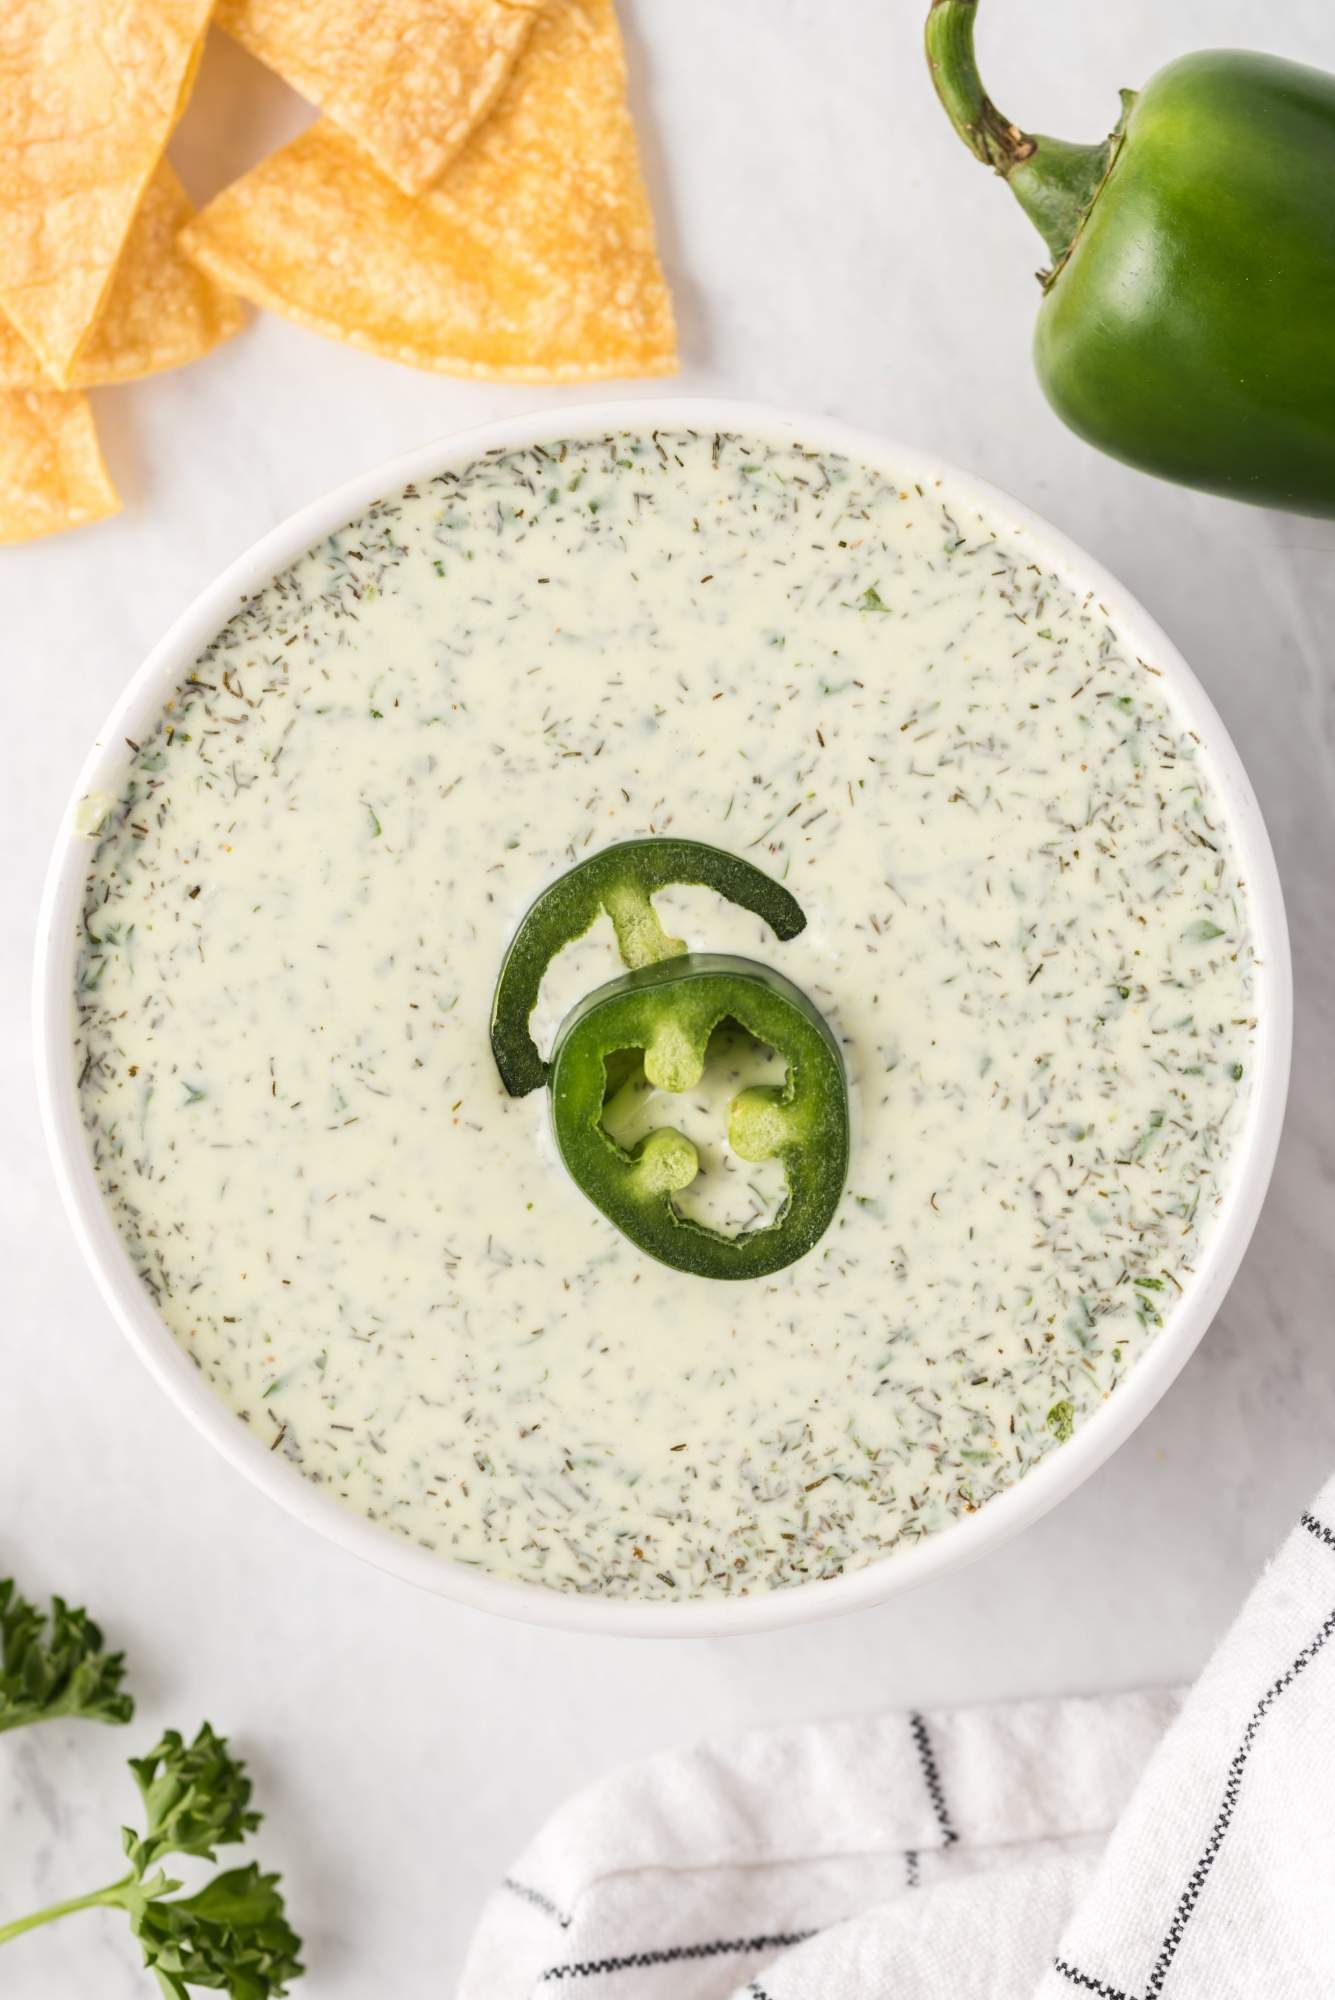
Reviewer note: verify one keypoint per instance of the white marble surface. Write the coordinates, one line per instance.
(830, 247)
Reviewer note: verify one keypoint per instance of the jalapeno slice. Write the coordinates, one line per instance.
(668, 1011)
(621, 880)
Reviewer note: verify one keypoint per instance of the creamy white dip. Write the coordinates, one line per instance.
(1025, 923)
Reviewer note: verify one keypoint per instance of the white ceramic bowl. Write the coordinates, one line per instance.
(1056, 1475)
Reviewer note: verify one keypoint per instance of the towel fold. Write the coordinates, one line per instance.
(1033, 1851)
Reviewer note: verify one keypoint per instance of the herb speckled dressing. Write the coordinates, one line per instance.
(1025, 924)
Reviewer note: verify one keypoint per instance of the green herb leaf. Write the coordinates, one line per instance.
(232, 1933)
(54, 1664)
(1202, 931)
(196, 1798)
(1061, 1421)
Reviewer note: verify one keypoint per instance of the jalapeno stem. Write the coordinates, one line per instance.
(1053, 180)
(954, 66)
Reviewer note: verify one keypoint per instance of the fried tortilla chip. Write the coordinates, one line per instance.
(533, 259)
(407, 79)
(89, 91)
(51, 470)
(161, 311)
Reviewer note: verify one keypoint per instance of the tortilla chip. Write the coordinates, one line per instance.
(532, 261)
(89, 90)
(407, 79)
(51, 470)
(160, 312)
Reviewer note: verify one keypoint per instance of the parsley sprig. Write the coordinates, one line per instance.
(54, 1664)
(231, 1934)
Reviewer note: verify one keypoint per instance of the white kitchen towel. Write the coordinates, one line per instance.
(1035, 1851)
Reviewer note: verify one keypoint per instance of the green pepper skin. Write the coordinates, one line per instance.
(1191, 328)
(620, 880)
(669, 1011)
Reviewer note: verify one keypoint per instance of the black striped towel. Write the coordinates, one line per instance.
(1038, 1851)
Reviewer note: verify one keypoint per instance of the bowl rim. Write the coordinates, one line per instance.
(966, 1539)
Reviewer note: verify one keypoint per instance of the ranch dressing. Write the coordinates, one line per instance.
(1025, 925)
